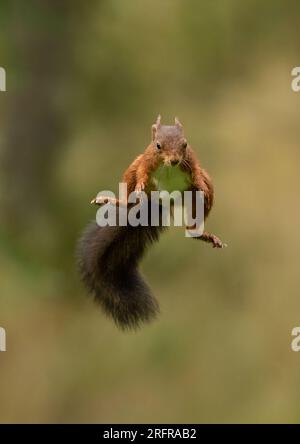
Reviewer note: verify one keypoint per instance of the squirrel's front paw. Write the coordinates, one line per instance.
(140, 187)
(101, 200)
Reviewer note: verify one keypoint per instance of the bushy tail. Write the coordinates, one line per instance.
(108, 260)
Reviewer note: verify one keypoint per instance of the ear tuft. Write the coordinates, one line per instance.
(177, 122)
(155, 126)
(158, 120)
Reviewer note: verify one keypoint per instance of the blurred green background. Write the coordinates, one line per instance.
(85, 81)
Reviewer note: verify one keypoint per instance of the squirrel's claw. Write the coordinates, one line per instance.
(100, 200)
(217, 243)
(97, 201)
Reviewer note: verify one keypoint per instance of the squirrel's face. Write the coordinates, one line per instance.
(169, 142)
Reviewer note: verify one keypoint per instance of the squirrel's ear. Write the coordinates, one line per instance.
(177, 123)
(153, 131)
(158, 120)
(155, 126)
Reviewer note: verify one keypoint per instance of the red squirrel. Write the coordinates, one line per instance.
(108, 256)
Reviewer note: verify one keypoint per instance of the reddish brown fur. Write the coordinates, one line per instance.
(174, 148)
(137, 176)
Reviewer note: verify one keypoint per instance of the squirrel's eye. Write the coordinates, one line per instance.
(158, 146)
(184, 145)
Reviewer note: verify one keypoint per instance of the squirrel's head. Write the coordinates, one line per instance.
(169, 142)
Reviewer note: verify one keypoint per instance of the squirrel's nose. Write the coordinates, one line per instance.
(174, 162)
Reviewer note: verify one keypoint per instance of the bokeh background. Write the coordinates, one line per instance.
(85, 81)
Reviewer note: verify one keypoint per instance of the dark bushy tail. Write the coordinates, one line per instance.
(108, 260)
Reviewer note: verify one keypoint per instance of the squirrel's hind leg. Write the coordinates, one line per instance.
(212, 239)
